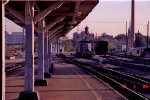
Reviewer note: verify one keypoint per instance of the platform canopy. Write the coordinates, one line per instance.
(60, 16)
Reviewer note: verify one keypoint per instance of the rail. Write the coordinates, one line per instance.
(125, 84)
(14, 66)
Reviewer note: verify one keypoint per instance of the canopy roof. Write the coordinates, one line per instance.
(63, 15)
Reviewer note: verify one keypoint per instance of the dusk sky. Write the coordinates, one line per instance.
(109, 16)
(104, 16)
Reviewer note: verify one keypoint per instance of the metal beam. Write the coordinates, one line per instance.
(55, 30)
(77, 6)
(56, 36)
(52, 37)
(76, 9)
(16, 14)
(50, 25)
(17, 21)
(35, 4)
(47, 11)
(5, 2)
(72, 22)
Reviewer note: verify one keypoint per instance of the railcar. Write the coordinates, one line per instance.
(89, 48)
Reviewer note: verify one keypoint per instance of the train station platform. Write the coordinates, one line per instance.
(68, 82)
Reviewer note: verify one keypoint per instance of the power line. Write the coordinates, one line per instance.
(104, 21)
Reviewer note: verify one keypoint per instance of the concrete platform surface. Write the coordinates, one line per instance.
(68, 82)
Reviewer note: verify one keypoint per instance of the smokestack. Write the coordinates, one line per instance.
(132, 23)
(131, 33)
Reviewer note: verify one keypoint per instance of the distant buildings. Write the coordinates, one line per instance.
(14, 38)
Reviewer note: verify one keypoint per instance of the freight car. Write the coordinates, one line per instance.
(101, 48)
(89, 48)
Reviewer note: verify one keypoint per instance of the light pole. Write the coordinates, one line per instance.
(147, 33)
(126, 39)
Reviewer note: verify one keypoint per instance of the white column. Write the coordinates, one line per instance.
(46, 68)
(3, 51)
(40, 50)
(49, 52)
(29, 53)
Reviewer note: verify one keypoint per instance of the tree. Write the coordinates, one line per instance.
(121, 40)
(121, 37)
(140, 40)
(68, 45)
(112, 45)
(105, 37)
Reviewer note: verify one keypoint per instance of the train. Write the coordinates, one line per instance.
(88, 49)
(141, 51)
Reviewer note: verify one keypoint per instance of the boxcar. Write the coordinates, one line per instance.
(101, 47)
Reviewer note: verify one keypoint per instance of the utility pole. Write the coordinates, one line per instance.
(147, 33)
(138, 43)
(126, 39)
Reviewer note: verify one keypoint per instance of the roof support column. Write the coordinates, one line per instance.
(29, 92)
(50, 55)
(29, 67)
(40, 81)
(46, 60)
(57, 47)
(3, 49)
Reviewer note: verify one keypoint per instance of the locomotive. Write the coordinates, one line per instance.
(88, 48)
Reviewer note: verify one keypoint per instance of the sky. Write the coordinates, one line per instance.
(108, 16)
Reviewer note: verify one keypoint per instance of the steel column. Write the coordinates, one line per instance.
(40, 81)
(40, 50)
(46, 68)
(29, 93)
(57, 46)
(49, 52)
(29, 53)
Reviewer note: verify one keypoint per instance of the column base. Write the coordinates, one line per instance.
(25, 95)
(47, 75)
(51, 68)
(40, 82)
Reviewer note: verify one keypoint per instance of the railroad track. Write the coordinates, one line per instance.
(13, 66)
(134, 59)
(124, 63)
(130, 86)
